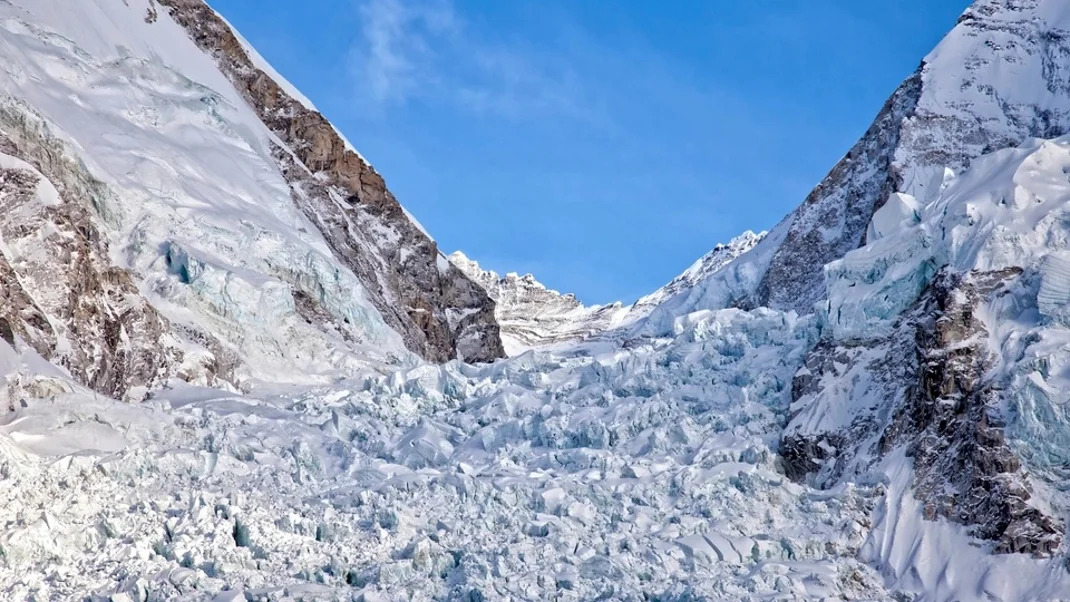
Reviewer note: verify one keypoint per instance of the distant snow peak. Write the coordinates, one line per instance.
(532, 315)
(707, 265)
(494, 282)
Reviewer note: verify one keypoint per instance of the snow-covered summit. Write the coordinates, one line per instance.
(999, 78)
(706, 266)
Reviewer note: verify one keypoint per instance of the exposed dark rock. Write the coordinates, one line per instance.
(801, 456)
(843, 202)
(63, 297)
(312, 312)
(965, 470)
(6, 333)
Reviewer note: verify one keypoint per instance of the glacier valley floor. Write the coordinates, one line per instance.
(589, 471)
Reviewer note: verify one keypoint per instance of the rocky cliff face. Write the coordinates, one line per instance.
(929, 388)
(438, 310)
(833, 218)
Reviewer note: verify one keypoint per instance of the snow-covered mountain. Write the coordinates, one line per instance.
(439, 312)
(531, 315)
(933, 326)
(869, 402)
(223, 218)
(998, 79)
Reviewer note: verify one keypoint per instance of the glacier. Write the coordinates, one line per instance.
(587, 472)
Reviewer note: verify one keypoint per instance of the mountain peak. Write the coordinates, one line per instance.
(532, 315)
(996, 80)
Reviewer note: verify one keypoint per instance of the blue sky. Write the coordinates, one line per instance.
(602, 146)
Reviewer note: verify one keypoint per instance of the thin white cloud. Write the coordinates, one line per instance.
(396, 46)
(515, 83)
(424, 50)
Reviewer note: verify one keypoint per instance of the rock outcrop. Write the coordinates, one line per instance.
(965, 470)
(60, 293)
(928, 388)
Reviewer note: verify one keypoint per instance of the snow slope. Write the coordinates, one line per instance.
(439, 312)
(577, 473)
(708, 265)
(195, 206)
